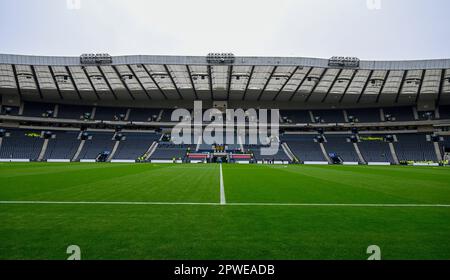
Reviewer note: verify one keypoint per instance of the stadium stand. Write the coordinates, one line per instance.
(166, 115)
(143, 115)
(73, 111)
(339, 145)
(311, 94)
(444, 112)
(10, 110)
(375, 149)
(414, 147)
(295, 116)
(169, 151)
(364, 115)
(304, 147)
(446, 147)
(329, 116)
(21, 144)
(62, 146)
(399, 113)
(110, 114)
(32, 109)
(257, 154)
(100, 142)
(135, 145)
(426, 115)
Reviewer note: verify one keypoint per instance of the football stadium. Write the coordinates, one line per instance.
(223, 157)
(89, 157)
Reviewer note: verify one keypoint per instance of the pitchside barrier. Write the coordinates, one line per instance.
(275, 162)
(58, 160)
(87, 160)
(165, 161)
(14, 160)
(123, 161)
(316, 162)
(197, 161)
(425, 164)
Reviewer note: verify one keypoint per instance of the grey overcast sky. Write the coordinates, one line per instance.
(368, 29)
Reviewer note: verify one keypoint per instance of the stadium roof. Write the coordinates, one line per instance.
(149, 78)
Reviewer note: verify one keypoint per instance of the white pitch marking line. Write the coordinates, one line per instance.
(223, 200)
(232, 204)
(108, 203)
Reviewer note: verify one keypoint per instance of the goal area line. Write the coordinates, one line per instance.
(355, 205)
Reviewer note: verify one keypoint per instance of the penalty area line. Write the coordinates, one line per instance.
(232, 204)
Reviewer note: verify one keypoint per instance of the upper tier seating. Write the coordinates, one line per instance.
(166, 115)
(329, 116)
(400, 113)
(296, 116)
(365, 115)
(109, 113)
(32, 109)
(143, 115)
(10, 110)
(444, 112)
(73, 112)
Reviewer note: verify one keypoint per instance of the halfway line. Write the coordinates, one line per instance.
(232, 204)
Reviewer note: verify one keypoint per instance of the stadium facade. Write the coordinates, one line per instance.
(339, 110)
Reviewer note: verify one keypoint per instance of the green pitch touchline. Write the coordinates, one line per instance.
(230, 204)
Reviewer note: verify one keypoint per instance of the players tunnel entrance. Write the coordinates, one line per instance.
(219, 159)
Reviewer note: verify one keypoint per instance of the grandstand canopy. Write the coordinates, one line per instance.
(155, 80)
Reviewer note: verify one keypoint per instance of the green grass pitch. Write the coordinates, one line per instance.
(268, 214)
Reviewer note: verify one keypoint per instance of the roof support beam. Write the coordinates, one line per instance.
(192, 81)
(315, 86)
(139, 82)
(348, 85)
(369, 78)
(107, 83)
(151, 77)
(230, 72)
(73, 82)
(267, 83)
(16, 78)
(248, 82)
(384, 84)
(420, 86)
(301, 83)
(90, 82)
(401, 86)
(56, 84)
(173, 81)
(441, 85)
(123, 83)
(210, 81)
(285, 83)
(36, 82)
(332, 85)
